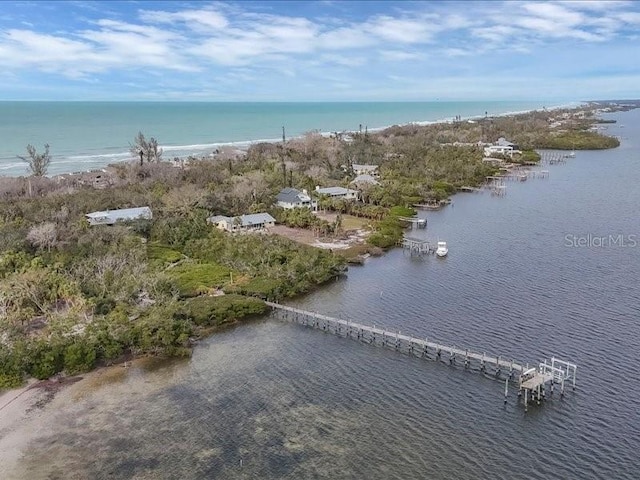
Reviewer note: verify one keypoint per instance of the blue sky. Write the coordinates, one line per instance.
(319, 51)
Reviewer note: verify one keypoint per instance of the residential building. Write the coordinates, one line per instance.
(503, 142)
(291, 198)
(503, 147)
(338, 192)
(364, 180)
(110, 217)
(365, 169)
(254, 221)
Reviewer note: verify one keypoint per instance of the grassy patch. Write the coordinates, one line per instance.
(528, 156)
(192, 279)
(349, 222)
(262, 287)
(400, 211)
(162, 254)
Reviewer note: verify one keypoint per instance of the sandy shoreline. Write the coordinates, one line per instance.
(18, 423)
(29, 413)
(33, 415)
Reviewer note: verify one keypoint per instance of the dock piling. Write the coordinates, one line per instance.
(506, 390)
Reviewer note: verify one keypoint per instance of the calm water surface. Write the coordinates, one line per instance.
(87, 135)
(276, 400)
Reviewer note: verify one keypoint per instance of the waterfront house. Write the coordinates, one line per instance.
(111, 217)
(503, 142)
(253, 221)
(338, 192)
(291, 198)
(502, 147)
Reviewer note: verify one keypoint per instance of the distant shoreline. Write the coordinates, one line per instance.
(99, 161)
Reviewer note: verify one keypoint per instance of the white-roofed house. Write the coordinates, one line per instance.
(502, 146)
(253, 221)
(338, 192)
(111, 217)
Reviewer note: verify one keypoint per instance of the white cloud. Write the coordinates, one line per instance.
(343, 60)
(401, 30)
(25, 48)
(220, 40)
(344, 38)
(457, 52)
(398, 55)
(495, 33)
(113, 45)
(195, 19)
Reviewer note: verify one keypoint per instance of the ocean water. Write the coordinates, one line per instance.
(89, 135)
(274, 400)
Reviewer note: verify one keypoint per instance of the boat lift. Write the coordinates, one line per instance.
(533, 381)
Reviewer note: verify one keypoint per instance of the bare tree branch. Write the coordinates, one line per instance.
(38, 162)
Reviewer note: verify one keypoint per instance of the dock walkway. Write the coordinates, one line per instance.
(531, 381)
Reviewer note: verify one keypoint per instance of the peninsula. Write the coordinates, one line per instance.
(145, 257)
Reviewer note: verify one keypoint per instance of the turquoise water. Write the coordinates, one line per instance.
(87, 135)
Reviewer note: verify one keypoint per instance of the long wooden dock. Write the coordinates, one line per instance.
(531, 381)
(404, 343)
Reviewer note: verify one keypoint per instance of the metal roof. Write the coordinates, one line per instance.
(503, 142)
(109, 217)
(246, 220)
(365, 178)
(291, 195)
(256, 219)
(357, 166)
(335, 191)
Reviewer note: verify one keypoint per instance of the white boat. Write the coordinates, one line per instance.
(442, 249)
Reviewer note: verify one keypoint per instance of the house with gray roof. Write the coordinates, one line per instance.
(359, 169)
(253, 221)
(338, 192)
(111, 217)
(503, 147)
(364, 180)
(291, 198)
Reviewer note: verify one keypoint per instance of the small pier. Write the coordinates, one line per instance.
(533, 383)
(499, 190)
(553, 158)
(430, 206)
(417, 246)
(540, 173)
(496, 183)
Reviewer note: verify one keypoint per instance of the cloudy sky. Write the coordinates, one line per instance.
(325, 50)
